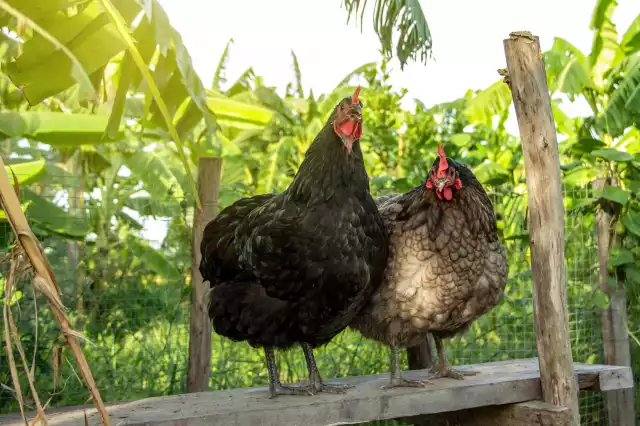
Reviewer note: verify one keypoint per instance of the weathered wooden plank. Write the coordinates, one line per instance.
(199, 369)
(528, 413)
(611, 380)
(620, 404)
(530, 93)
(497, 383)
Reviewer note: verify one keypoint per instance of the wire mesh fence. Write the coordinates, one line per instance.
(125, 283)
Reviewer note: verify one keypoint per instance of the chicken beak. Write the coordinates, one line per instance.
(440, 184)
(355, 112)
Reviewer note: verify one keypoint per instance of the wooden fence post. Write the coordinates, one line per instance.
(530, 93)
(209, 171)
(620, 404)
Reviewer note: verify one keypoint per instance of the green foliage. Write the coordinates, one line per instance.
(27, 172)
(49, 41)
(55, 128)
(90, 201)
(612, 154)
(402, 16)
(48, 217)
(615, 194)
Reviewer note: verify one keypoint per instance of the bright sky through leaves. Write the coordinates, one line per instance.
(467, 38)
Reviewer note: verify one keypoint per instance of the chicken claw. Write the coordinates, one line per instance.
(397, 381)
(442, 368)
(280, 389)
(406, 383)
(314, 388)
(275, 387)
(332, 388)
(439, 371)
(315, 381)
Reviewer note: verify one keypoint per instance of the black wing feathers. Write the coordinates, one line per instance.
(284, 272)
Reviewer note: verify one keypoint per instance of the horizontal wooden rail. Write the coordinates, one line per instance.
(521, 414)
(497, 383)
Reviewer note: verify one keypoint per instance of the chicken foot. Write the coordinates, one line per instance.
(275, 387)
(442, 368)
(397, 381)
(315, 381)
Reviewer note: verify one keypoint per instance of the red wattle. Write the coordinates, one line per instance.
(358, 131)
(448, 193)
(347, 127)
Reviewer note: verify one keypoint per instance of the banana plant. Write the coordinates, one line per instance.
(405, 19)
(608, 79)
(606, 143)
(72, 42)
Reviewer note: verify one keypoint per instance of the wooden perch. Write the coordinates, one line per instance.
(45, 282)
(497, 383)
(522, 414)
(530, 93)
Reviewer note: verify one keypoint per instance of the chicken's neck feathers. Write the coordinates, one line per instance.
(472, 200)
(328, 170)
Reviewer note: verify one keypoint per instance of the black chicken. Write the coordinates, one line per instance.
(295, 268)
(446, 265)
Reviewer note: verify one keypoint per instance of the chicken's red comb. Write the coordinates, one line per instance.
(354, 98)
(443, 159)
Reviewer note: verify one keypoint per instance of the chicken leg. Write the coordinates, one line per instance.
(275, 387)
(397, 380)
(442, 368)
(315, 381)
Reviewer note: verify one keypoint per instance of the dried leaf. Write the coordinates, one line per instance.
(45, 282)
(35, 420)
(16, 183)
(12, 364)
(18, 343)
(8, 289)
(35, 321)
(77, 334)
(45, 289)
(57, 363)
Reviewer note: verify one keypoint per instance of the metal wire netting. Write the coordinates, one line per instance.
(125, 284)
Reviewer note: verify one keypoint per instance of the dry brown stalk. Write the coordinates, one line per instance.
(11, 326)
(44, 282)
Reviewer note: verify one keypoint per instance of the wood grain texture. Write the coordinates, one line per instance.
(620, 404)
(497, 383)
(209, 172)
(532, 103)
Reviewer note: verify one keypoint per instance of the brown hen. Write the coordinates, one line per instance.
(446, 266)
